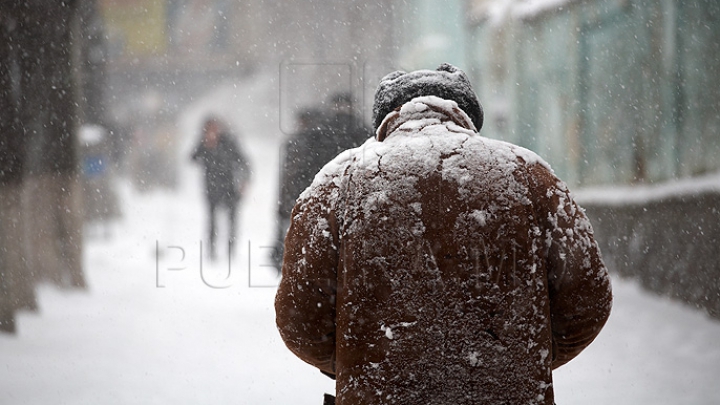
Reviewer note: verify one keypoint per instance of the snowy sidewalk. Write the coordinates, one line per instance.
(127, 340)
(147, 334)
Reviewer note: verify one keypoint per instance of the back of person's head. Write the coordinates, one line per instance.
(447, 82)
(342, 101)
(309, 118)
(213, 124)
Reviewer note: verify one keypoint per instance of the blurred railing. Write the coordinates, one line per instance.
(666, 237)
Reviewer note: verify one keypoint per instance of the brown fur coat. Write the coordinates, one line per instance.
(435, 266)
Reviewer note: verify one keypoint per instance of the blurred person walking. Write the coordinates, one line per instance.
(348, 130)
(227, 172)
(303, 155)
(436, 266)
(321, 135)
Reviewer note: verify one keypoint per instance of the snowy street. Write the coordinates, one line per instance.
(159, 324)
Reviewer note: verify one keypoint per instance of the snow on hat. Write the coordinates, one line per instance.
(447, 81)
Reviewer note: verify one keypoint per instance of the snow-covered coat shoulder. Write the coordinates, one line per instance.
(433, 265)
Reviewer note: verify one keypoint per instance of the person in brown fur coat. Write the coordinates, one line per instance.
(436, 266)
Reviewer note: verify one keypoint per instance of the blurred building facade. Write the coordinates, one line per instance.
(608, 91)
(166, 53)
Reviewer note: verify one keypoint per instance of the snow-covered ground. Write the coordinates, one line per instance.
(159, 325)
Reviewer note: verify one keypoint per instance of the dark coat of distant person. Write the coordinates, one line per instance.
(347, 130)
(321, 136)
(225, 168)
(304, 154)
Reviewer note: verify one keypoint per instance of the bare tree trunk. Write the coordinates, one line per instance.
(40, 195)
(54, 227)
(16, 286)
(50, 198)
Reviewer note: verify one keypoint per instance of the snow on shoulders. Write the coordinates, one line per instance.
(427, 134)
(529, 157)
(331, 170)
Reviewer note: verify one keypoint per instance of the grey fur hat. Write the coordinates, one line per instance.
(447, 81)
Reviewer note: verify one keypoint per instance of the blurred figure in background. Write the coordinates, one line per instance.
(304, 153)
(321, 135)
(227, 173)
(348, 130)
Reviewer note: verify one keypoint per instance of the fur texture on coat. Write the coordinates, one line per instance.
(437, 266)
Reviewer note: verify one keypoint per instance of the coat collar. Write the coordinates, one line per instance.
(432, 109)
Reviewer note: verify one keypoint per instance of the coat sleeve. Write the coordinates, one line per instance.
(243, 169)
(239, 160)
(578, 282)
(305, 300)
(289, 174)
